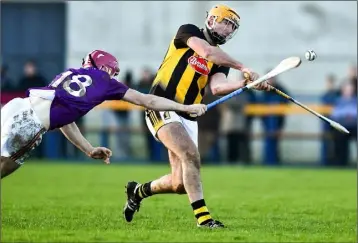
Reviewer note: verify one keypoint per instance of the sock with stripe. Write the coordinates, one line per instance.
(143, 191)
(201, 212)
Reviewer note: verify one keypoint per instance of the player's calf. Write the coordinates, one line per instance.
(179, 188)
(171, 183)
(166, 184)
(137, 192)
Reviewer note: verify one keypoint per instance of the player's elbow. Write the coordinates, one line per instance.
(217, 90)
(208, 52)
(201, 47)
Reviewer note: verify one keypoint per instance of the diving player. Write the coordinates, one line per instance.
(71, 95)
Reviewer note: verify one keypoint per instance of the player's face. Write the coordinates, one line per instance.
(225, 29)
(110, 71)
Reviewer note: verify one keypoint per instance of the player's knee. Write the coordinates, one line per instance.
(179, 188)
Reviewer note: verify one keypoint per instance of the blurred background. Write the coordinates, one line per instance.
(41, 39)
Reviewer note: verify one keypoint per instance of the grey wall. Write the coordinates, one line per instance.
(138, 33)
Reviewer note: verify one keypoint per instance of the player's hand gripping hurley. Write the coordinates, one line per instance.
(283, 66)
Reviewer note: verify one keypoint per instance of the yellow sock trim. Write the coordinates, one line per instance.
(201, 210)
(140, 193)
(143, 193)
(204, 218)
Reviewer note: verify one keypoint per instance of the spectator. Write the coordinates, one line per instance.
(345, 113)
(330, 95)
(352, 76)
(145, 80)
(7, 84)
(274, 124)
(208, 127)
(236, 126)
(328, 98)
(123, 138)
(144, 85)
(31, 78)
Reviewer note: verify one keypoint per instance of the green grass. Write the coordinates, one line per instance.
(83, 203)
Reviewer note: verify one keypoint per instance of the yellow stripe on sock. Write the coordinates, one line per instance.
(140, 193)
(203, 218)
(143, 193)
(201, 210)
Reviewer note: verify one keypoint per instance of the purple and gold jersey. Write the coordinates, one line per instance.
(77, 91)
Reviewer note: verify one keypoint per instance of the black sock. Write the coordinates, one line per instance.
(201, 212)
(144, 191)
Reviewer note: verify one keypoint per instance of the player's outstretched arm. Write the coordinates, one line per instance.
(218, 56)
(218, 82)
(219, 85)
(213, 53)
(74, 135)
(157, 103)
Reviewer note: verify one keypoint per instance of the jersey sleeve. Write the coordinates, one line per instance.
(219, 69)
(184, 33)
(116, 90)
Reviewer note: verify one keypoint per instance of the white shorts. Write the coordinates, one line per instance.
(157, 119)
(21, 130)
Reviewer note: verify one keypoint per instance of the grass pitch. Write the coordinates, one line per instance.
(46, 202)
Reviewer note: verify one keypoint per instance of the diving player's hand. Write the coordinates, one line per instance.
(101, 153)
(196, 110)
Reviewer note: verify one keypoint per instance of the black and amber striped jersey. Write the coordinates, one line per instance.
(183, 74)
